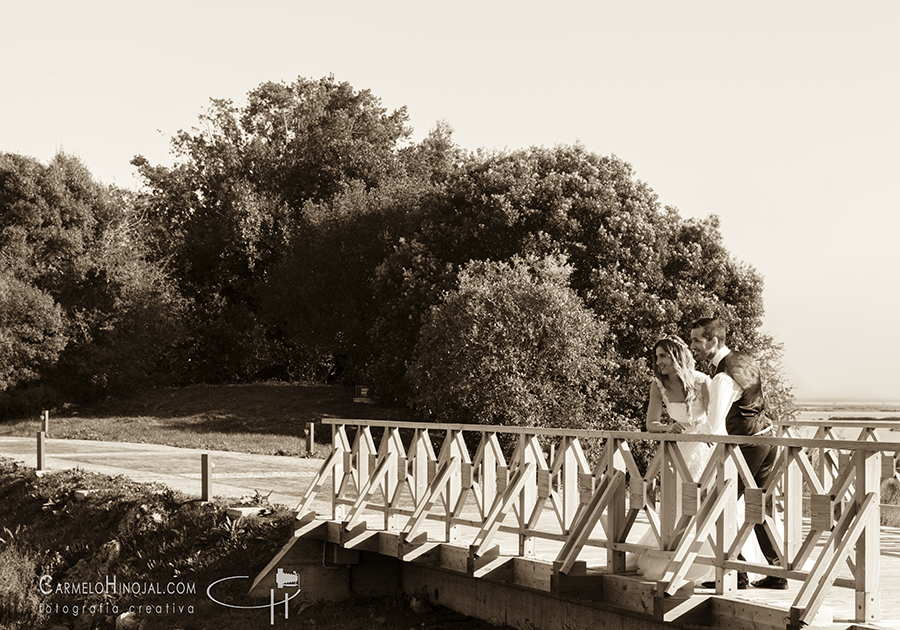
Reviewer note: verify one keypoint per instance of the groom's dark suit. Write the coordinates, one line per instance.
(746, 416)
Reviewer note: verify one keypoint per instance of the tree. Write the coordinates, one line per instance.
(73, 253)
(319, 299)
(436, 157)
(303, 234)
(230, 205)
(32, 332)
(642, 269)
(311, 137)
(512, 345)
(247, 202)
(780, 403)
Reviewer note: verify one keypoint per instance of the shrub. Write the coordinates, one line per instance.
(513, 345)
(19, 602)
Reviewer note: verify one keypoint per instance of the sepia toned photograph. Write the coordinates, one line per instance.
(458, 315)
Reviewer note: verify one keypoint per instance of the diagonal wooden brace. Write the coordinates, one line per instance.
(500, 508)
(317, 482)
(689, 546)
(444, 473)
(587, 519)
(375, 479)
(849, 528)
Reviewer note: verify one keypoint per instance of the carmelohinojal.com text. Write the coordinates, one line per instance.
(113, 586)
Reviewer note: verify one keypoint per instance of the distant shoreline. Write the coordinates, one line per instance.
(853, 405)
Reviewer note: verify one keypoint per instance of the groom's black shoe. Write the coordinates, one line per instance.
(771, 582)
(742, 582)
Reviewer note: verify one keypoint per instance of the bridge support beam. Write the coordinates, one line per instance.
(505, 590)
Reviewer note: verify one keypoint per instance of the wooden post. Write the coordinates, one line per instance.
(527, 496)
(341, 445)
(615, 512)
(206, 477)
(726, 526)
(41, 439)
(670, 495)
(45, 421)
(395, 477)
(569, 490)
(793, 505)
(455, 446)
(868, 481)
(310, 437)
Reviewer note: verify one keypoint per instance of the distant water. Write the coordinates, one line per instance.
(851, 404)
(832, 410)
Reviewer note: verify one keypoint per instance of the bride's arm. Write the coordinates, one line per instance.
(704, 426)
(654, 411)
(704, 392)
(701, 411)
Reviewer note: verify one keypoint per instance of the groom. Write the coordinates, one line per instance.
(737, 406)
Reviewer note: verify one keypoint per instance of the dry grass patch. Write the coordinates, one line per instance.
(261, 418)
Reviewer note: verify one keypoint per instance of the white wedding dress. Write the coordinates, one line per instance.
(696, 455)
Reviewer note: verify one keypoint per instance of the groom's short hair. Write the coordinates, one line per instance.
(712, 327)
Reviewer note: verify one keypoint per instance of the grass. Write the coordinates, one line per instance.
(262, 418)
(890, 495)
(155, 535)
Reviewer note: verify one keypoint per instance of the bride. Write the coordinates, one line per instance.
(684, 393)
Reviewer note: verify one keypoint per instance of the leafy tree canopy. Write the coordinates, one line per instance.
(32, 332)
(78, 304)
(525, 350)
(303, 235)
(227, 211)
(641, 268)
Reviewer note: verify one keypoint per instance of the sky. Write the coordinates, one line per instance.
(781, 118)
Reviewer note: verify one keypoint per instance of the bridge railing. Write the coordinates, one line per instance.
(829, 461)
(475, 482)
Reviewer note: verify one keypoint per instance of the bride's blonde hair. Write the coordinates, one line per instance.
(684, 366)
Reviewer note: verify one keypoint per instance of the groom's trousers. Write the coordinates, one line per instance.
(760, 460)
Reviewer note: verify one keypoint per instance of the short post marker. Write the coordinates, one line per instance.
(45, 421)
(310, 437)
(206, 477)
(41, 450)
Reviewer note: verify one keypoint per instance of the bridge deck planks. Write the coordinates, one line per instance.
(840, 603)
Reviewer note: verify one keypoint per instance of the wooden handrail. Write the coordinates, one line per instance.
(628, 435)
(848, 422)
(886, 421)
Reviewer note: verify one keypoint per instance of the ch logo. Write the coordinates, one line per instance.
(282, 580)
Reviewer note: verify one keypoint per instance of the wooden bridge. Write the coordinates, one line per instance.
(517, 526)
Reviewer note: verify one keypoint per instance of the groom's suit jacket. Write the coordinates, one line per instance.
(747, 414)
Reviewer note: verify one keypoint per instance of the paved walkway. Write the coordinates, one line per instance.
(234, 474)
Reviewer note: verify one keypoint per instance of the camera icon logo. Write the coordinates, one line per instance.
(286, 580)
